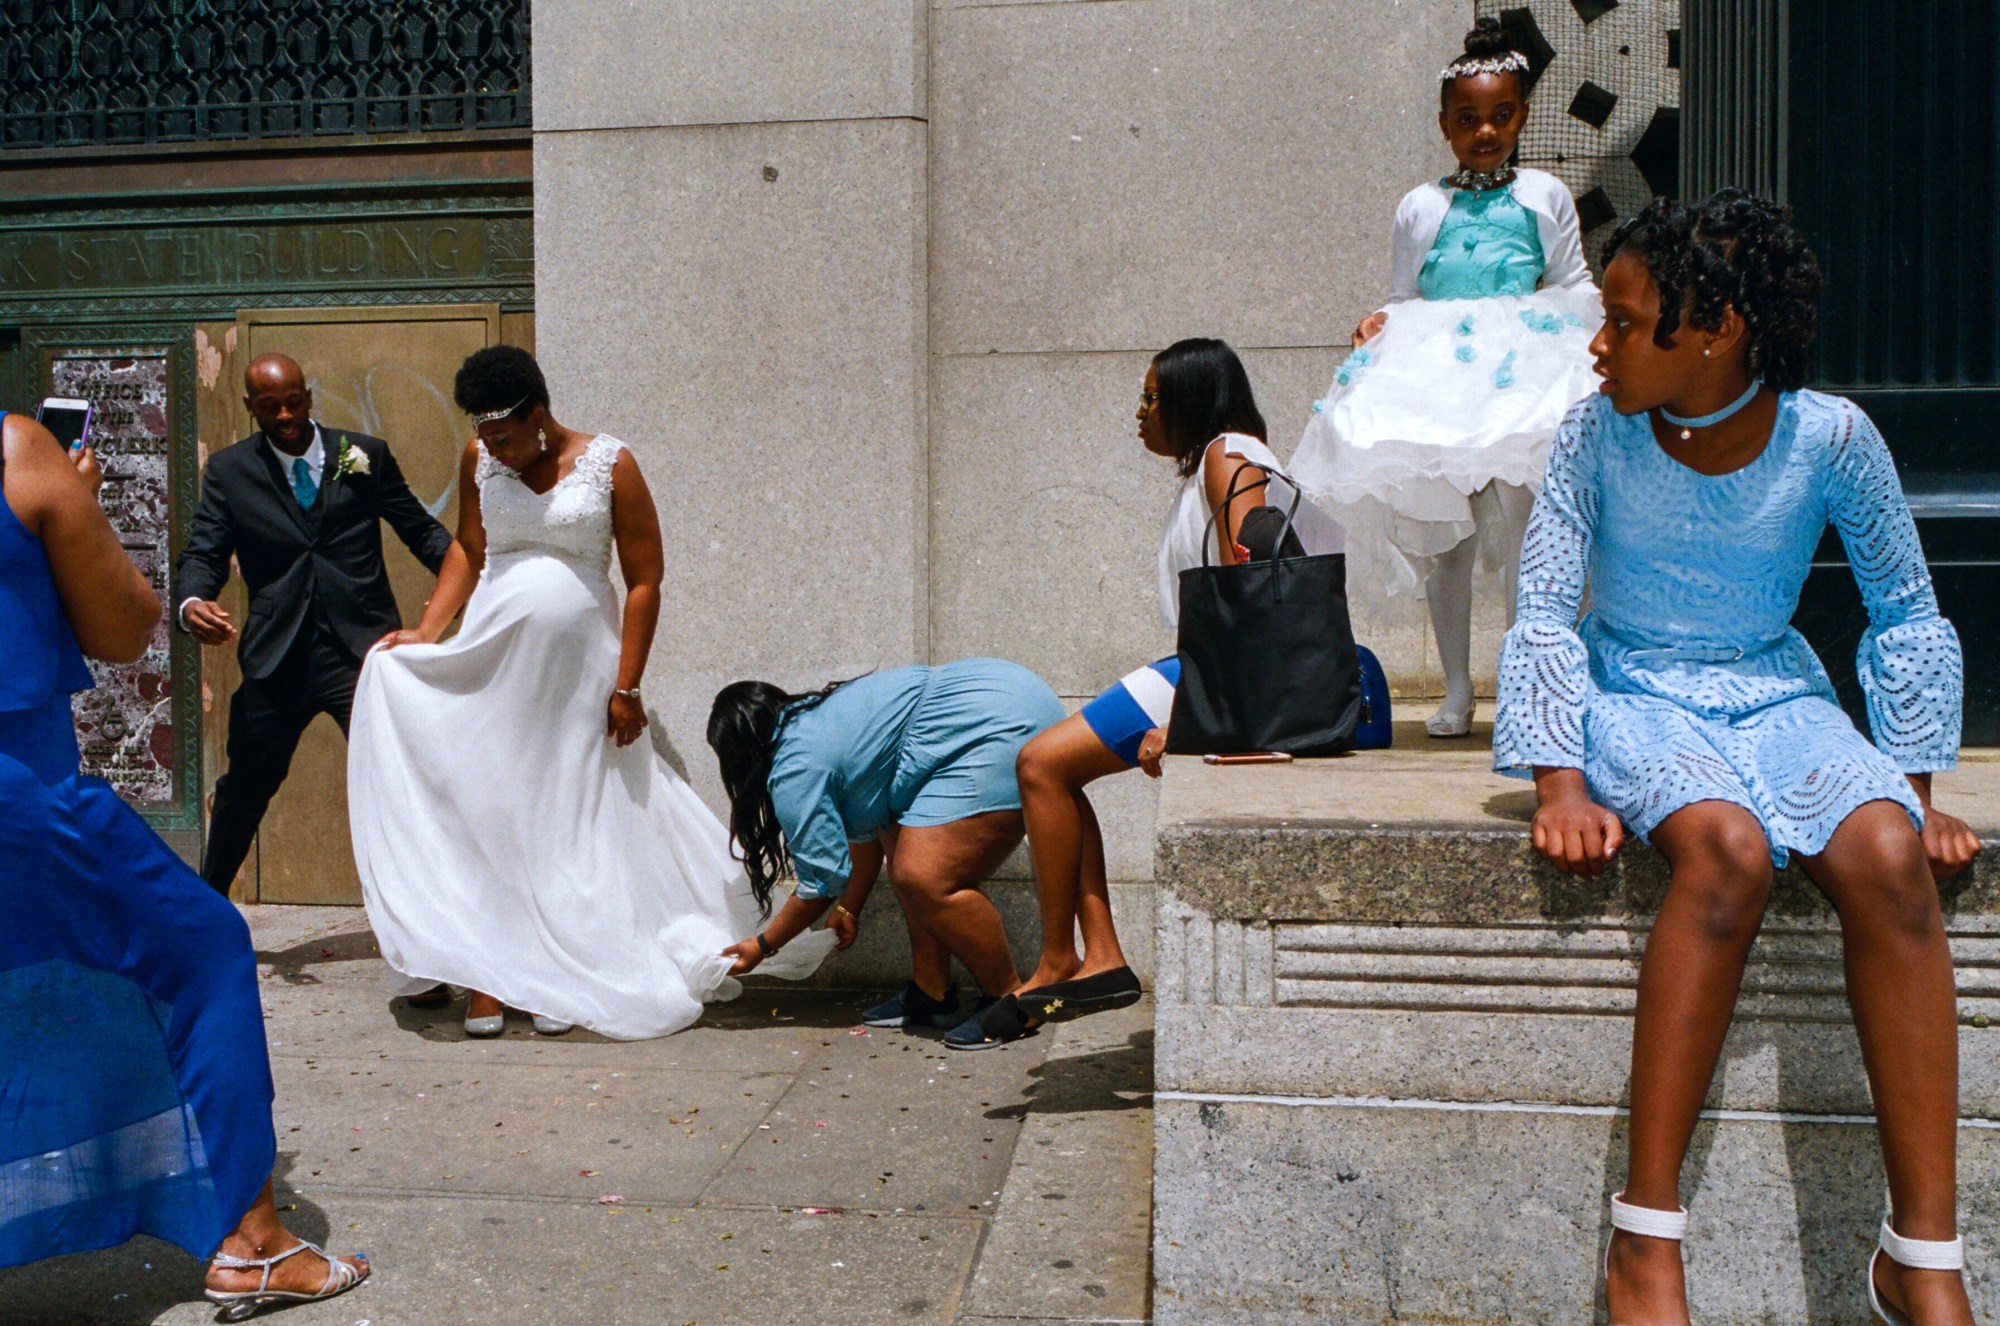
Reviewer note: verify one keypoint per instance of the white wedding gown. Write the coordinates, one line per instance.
(504, 842)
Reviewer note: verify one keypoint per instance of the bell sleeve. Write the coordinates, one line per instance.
(1544, 680)
(1909, 662)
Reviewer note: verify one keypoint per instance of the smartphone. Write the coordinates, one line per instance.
(66, 417)
(1255, 757)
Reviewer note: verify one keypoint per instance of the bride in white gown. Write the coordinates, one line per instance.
(514, 834)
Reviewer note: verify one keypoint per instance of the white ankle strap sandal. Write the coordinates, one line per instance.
(1647, 1221)
(1916, 1255)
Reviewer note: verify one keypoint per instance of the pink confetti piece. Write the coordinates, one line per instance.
(813, 1210)
(857, 1031)
(611, 1199)
(586, 1173)
(820, 1124)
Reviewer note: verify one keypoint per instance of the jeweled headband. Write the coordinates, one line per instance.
(492, 415)
(1513, 62)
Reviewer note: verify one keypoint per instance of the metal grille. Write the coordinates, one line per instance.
(94, 73)
(1735, 93)
(1894, 126)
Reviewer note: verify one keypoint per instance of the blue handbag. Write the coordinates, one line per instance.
(1372, 732)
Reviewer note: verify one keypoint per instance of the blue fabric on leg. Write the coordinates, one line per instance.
(135, 1090)
(1121, 720)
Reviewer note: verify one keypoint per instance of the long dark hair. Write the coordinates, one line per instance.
(1204, 393)
(743, 728)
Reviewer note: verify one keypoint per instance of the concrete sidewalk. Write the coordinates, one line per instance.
(768, 1166)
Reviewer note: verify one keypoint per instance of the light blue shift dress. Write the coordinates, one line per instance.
(911, 746)
(1685, 681)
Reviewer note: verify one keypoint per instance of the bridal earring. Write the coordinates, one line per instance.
(542, 435)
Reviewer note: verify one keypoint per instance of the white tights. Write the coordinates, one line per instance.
(1449, 589)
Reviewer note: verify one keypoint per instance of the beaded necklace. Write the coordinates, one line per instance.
(1480, 181)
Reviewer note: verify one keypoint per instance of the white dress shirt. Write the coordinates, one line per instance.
(315, 459)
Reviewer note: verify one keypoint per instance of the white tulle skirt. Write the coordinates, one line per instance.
(1452, 397)
(505, 844)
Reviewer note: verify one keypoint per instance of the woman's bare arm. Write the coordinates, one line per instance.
(110, 606)
(1219, 469)
(635, 529)
(463, 561)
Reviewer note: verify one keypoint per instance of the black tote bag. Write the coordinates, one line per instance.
(1267, 652)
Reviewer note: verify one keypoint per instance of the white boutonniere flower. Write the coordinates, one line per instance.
(353, 460)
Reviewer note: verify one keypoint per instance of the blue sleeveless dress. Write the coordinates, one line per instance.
(135, 1090)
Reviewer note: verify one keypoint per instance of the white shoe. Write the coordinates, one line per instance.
(1917, 1255)
(1445, 723)
(487, 1027)
(547, 1026)
(1646, 1222)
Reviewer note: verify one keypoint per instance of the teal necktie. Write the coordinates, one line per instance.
(303, 484)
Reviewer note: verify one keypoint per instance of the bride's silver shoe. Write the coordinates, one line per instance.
(487, 1027)
(548, 1026)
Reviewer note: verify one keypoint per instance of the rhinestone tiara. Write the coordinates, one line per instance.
(490, 415)
(1513, 62)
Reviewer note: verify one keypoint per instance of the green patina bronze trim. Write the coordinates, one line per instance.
(195, 261)
(136, 279)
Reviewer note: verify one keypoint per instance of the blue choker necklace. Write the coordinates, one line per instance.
(1687, 426)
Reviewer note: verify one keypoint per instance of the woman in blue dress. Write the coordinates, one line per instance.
(1688, 498)
(135, 1092)
(916, 763)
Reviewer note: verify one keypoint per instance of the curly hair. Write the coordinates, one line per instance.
(497, 377)
(1733, 250)
(1487, 40)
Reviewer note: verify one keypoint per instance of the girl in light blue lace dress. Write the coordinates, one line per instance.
(1431, 440)
(1687, 500)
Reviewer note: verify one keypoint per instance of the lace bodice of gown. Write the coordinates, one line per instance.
(572, 520)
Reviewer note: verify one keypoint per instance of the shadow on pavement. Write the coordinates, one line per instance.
(1114, 1078)
(292, 965)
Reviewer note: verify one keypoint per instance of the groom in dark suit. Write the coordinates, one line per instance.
(300, 507)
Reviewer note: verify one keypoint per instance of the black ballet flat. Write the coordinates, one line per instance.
(997, 1022)
(1117, 988)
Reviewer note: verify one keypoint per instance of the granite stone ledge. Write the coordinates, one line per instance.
(1435, 837)
(1282, 1215)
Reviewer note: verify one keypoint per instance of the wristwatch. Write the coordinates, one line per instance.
(632, 695)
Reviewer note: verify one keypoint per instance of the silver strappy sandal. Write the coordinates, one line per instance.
(243, 1304)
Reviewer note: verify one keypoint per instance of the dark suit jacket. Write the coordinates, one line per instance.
(301, 563)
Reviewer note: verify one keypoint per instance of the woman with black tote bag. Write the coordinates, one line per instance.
(1197, 410)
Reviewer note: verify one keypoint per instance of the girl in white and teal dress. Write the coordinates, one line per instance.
(1685, 503)
(1431, 441)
